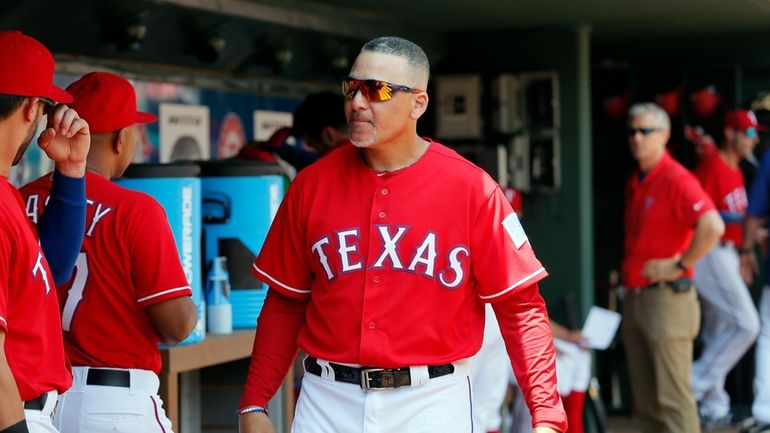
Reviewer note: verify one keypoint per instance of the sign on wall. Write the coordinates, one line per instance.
(184, 132)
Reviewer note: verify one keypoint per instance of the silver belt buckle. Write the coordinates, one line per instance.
(366, 380)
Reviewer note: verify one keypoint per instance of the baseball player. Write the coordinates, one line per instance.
(380, 260)
(128, 289)
(756, 214)
(730, 320)
(33, 366)
(670, 224)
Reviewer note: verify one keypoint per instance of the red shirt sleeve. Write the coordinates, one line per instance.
(691, 201)
(283, 262)
(526, 330)
(5, 248)
(503, 260)
(155, 267)
(275, 347)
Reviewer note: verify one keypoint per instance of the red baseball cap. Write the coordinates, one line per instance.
(27, 68)
(107, 102)
(741, 120)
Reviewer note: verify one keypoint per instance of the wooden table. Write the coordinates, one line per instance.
(213, 350)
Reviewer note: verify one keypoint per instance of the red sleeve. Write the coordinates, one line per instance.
(283, 261)
(691, 201)
(155, 267)
(5, 248)
(275, 347)
(525, 328)
(503, 260)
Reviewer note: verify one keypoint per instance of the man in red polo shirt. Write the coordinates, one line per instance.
(670, 223)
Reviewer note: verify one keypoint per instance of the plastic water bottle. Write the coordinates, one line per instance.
(219, 311)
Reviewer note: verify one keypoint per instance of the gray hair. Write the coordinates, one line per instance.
(393, 45)
(642, 108)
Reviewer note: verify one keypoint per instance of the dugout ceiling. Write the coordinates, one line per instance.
(316, 40)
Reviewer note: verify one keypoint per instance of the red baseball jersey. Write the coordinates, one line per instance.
(727, 188)
(662, 209)
(129, 261)
(398, 270)
(29, 309)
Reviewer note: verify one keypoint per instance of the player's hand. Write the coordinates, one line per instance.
(544, 430)
(576, 337)
(66, 141)
(255, 422)
(749, 266)
(657, 270)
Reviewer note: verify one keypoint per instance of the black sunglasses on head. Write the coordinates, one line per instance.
(644, 131)
(48, 104)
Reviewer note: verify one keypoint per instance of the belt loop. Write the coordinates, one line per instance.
(50, 403)
(327, 372)
(419, 375)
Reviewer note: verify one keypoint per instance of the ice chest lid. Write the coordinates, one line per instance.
(235, 167)
(138, 171)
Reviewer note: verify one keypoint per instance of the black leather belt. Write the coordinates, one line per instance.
(108, 377)
(37, 403)
(679, 286)
(373, 377)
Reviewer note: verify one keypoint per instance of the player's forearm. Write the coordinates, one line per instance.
(750, 226)
(11, 407)
(525, 328)
(709, 229)
(275, 347)
(62, 225)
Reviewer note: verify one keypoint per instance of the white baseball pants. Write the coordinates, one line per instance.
(760, 409)
(442, 404)
(39, 421)
(730, 326)
(489, 377)
(573, 367)
(109, 409)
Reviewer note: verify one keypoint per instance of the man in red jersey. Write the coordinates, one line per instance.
(128, 288)
(730, 319)
(380, 261)
(33, 366)
(670, 223)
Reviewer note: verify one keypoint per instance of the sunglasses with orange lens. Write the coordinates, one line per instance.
(373, 90)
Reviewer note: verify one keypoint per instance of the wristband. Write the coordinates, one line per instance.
(742, 251)
(248, 409)
(19, 427)
(681, 265)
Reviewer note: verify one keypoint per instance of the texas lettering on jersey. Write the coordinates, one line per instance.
(94, 212)
(345, 244)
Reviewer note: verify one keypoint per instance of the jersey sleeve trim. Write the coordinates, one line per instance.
(4, 323)
(165, 292)
(280, 284)
(522, 281)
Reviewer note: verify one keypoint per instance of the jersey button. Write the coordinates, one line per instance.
(384, 191)
(383, 214)
(377, 279)
(372, 325)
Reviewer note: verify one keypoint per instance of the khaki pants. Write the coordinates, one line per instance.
(659, 327)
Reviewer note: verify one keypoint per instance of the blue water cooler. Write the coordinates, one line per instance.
(239, 200)
(178, 189)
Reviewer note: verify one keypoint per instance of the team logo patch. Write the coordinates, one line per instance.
(515, 230)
